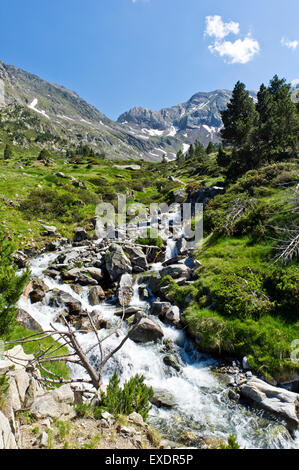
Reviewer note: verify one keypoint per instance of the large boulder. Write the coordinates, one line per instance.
(117, 262)
(163, 398)
(137, 257)
(146, 331)
(38, 290)
(277, 400)
(177, 271)
(125, 291)
(60, 298)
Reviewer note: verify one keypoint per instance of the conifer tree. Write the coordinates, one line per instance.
(210, 148)
(239, 118)
(7, 152)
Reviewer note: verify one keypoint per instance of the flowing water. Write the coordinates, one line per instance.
(203, 409)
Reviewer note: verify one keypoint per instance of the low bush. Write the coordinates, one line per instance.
(133, 396)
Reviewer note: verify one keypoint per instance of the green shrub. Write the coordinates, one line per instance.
(134, 396)
(232, 443)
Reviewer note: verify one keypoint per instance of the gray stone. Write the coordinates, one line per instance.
(146, 331)
(80, 235)
(117, 262)
(125, 291)
(60, 298)
(163, 398)
(7, 439)
(276, 400)
(176, 271)
(27, 321)
(96, 295)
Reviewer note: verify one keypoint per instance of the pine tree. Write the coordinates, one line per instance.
(7, 152)
(210, 148)
(285, 126)
(239, 118)
(11, 286)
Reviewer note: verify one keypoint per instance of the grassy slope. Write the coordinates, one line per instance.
(243, 302)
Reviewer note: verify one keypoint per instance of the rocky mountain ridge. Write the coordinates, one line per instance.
(138, 134)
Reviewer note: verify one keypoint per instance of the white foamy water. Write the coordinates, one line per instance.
(202, 406)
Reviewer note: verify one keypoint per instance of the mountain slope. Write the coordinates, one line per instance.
(66, 114)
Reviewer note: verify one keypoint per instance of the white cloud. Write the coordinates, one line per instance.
(290, 44)
(295, 83)
(216, 27)
(240, 51)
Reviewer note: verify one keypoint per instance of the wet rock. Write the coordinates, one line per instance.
(80, 235)
(143, 293)
(163, 398)
(79, 275)
(60, 298)
(96, 295)
(176, 271)
(159, 308)
(173, 315)
(153, 282)
(171, 362)
(137, 257)
(276, 400)
(125, 291)
(38, 291)
(234, 396)
(117, 262)
(146, 331)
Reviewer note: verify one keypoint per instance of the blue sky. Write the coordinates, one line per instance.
(117, 54)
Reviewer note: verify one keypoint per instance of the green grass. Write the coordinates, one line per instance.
(58, 368)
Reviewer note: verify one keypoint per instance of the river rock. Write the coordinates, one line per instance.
(172, 315)
(60, 298)
(276, 400)
(125, 290)
(171, 361)
(96, 295)
(117, 262)
(80, 275)
(159, 308)
(176, 271)
(38, 291)
(27, 321)
(163, 398)
(152, 281)
(137, 257)
(146, 331)
(80, 235)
